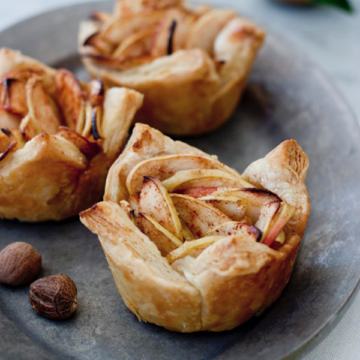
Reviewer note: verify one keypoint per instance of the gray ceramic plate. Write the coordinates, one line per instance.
(287, 98)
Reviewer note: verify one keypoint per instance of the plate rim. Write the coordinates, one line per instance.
(351, 120)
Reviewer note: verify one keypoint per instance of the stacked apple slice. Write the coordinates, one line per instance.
(185, 203)
(31, 105)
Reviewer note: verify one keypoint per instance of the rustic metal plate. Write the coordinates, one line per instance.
(287, 97)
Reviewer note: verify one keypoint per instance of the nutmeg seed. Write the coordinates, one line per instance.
(54, 297)
(20, 263)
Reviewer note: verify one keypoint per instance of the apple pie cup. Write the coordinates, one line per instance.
(193, 245)
(191, 63)
(58, 138)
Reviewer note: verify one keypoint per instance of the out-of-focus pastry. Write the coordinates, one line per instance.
(58, 138)
(191, 244)
(190, 62)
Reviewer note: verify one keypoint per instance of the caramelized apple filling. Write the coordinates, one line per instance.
(185, 203)
(64, 108)
(35, 99)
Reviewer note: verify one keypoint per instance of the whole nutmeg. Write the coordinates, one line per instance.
(54, 297)
(19, 264)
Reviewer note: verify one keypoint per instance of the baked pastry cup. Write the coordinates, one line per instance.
(58, 138)
(191, 63)
(191, 244)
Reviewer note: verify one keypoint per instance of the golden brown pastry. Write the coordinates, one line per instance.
(58, 138)
(192, 245)
(191, 63)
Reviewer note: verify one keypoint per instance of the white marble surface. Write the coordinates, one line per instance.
(332, 40)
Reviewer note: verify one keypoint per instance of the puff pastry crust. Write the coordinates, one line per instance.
(191, 63)
(58, 138)
(196, 246)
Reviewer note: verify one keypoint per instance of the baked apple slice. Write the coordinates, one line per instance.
(43, 115)
(95, 40)
(161, 237)
(256, 198)
(156, 203)
(187, 179)
(190, 248)
(13, 96)
(70, 97)
(206, 29)
(232, 206)
(134, 201)
(129, 210)
(280, 220)
(187, 234)
(135, 45)
(197, 215)
(164, 167)
(88, 148)
(122, 28)
(236, 228)
(172, 32)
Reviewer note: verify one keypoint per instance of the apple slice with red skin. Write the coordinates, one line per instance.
(187, 179)
(256, 198)
(267, 215)
(164, 167)
(163, 239)
(156, 202)
(236, 228)
(284, 214)
(198, 216)
(190, 247)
